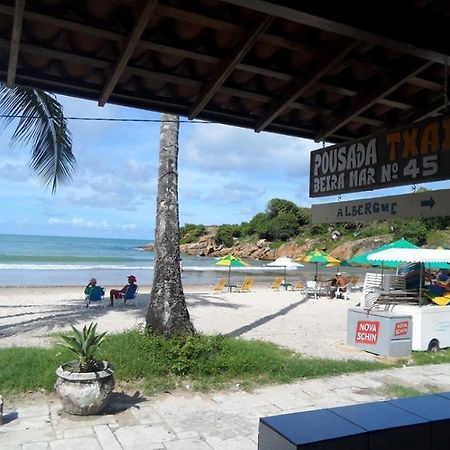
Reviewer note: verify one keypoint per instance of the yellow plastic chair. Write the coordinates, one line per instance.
(441, 300)
(219, 286)
(299, 286)
(246, 285)
(277, 283)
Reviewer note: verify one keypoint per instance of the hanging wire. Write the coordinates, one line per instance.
(105, 119)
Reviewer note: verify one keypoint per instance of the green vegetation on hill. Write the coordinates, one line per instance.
(284, 221)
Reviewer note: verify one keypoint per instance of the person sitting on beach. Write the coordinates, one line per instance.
(88, 289)
(339, 281)
(114, 294)
(443, 282)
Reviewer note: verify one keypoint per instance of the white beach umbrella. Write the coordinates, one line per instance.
(417, 255)
(284, 262)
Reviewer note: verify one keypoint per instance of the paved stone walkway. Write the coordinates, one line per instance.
(220, 421)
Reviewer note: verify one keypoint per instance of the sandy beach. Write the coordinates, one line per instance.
(312, 327)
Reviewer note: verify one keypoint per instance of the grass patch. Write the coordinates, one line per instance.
(423, 358)
(154, 364)
(400, 391)
(30, 369)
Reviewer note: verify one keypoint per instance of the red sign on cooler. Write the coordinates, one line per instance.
(367, 332)
(401, 328)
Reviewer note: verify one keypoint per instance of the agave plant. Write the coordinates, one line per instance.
(84, 344)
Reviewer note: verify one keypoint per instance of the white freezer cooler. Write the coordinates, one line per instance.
(430, 325)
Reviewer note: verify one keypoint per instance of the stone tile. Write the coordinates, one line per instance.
(27, 423)
(126, 418)
(139, 434)
(146, 446)
(190, 444)
(146, 415)
(24, 436)
(237, 443)
(106, 438)
(36, 446)
(286, 401)
(353, 396)
(67, 421)
(78, 432)
(75, 444)
(187, 435)
(12, 447)
(182, 404)
(41, 410)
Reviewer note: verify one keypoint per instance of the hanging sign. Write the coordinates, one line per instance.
(420, 204)
(411, 155)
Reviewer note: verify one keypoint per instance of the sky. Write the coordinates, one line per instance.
(226, 175)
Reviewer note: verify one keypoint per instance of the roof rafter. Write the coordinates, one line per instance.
(146, 73)
(130, 46)
(365, 24)
(224, 70)
(298, 87)
(16, 36)
(364, 101)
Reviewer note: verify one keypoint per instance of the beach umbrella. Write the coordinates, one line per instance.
(339, 264)
(412, 255)
(364, 259)
(318, 257)
(231, 261)
(284, 262)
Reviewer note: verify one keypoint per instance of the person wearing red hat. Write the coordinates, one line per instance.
(114, 294)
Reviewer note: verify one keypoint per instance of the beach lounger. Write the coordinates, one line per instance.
(246, 285)
(219, 286)
(95, 296)
(277, 283)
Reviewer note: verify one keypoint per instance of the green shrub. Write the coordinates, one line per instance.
(191, 233)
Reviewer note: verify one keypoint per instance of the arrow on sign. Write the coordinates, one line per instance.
(429, 203)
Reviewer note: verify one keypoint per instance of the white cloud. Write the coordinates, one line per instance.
(221, 148)
(82, 222)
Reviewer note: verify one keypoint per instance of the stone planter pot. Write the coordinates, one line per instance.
(84, 393)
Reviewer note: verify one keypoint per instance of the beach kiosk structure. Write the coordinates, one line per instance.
(399, 318)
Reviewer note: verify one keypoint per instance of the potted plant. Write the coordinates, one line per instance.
(85, 384)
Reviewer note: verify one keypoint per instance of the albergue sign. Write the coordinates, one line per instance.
(410, 155)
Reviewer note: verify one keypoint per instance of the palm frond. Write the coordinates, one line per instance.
(42, 125)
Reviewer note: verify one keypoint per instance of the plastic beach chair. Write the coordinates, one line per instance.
(277, 283)
(95, 296)
(219, 286)
(130, 295)
(246, 285)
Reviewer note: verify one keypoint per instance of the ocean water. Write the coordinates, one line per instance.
(72, 261)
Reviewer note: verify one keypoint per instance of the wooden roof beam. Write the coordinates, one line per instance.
(130, 46)
(364, 101)
(369, 23)
(298, 87)
(16, 35)
(224, 70)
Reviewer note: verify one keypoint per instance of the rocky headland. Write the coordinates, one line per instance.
(206, 246)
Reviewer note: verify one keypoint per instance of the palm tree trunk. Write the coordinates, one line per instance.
(167, 313)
